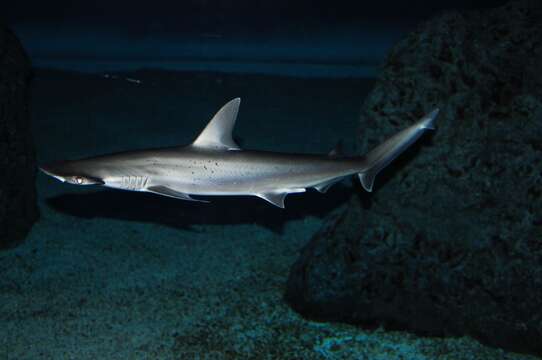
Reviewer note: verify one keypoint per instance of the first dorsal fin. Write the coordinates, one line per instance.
(217, 135)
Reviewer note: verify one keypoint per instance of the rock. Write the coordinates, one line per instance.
(18, 207)
(450, 243)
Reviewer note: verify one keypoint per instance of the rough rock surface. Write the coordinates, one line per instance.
(18, 208)
(450, 243)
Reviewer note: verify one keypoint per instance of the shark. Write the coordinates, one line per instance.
(214, 164)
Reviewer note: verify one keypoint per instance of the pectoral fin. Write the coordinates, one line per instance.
(166, 191)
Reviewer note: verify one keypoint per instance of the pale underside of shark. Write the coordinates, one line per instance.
(215, 165)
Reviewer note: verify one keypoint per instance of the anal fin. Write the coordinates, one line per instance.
(324, 187)
(166, 191)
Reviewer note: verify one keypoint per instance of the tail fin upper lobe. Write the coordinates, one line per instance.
(386, 152)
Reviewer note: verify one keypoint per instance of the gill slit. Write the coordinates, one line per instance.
(135, 182)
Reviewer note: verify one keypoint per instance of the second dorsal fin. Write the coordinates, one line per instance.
(217, 135)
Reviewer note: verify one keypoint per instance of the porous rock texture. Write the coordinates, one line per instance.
(18, 207)
(450, 242)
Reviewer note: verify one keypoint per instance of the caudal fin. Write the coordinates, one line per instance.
(386, 152)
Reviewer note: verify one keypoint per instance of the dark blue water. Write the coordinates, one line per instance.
(116, 275)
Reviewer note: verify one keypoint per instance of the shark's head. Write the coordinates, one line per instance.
(72, 172)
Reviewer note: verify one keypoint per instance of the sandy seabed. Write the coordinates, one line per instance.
(117, 275)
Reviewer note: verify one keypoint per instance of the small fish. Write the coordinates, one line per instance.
(136, 81)
(116, 77)
(215, 165)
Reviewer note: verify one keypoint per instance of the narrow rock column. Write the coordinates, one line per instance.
(18, 208)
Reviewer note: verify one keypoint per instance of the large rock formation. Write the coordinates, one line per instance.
(450, 243)
(18, 209)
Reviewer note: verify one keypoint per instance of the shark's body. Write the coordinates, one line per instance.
(214, 165)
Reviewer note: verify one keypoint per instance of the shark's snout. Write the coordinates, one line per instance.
(66, 172)
(52, 170)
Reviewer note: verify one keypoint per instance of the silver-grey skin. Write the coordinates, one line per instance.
(214, 165)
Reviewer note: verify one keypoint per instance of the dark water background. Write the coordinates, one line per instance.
(293, 38)
(118, 275)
